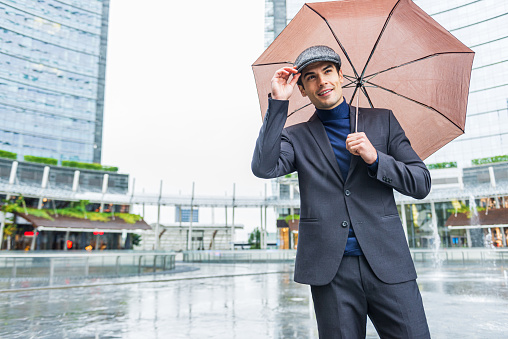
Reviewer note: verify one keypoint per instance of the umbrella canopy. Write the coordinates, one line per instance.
(393, 54)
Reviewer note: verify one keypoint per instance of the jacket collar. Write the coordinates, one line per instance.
(318, 132)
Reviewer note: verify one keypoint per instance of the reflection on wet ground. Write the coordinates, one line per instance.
(239, 301)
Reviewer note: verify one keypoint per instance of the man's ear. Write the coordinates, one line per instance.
(302, 91)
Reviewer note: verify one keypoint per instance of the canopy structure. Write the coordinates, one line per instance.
(482, 219)
(62, 223)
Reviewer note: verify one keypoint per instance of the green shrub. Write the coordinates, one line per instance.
(41, 160)
(441, 165)
(128, 218)
(90, 166)
(255, 239)
(490, 160)
(76, 210)
(8, 155)
(15, 208)
(136, 239)
(110, 168)
(292, 217)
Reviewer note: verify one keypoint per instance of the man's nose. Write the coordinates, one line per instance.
(321, 80)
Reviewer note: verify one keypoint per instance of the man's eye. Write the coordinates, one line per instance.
(310, 77)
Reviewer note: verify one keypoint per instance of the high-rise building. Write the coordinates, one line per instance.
(52, 72)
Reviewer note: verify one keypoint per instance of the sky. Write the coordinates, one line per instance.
(180, 102)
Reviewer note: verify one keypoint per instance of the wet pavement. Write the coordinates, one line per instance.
(238, 301)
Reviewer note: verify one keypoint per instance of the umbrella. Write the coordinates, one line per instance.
(394, 56)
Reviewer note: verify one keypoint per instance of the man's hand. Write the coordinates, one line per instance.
(281, 88)
(359, 144)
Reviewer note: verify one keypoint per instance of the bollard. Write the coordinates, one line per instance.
(14, 267)
(117, 265)
(87, 266)
(51, 270)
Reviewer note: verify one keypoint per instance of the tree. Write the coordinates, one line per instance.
(255, 239)
(136, 239)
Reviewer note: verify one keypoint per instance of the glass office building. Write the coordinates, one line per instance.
(52, 71)
(482, 25)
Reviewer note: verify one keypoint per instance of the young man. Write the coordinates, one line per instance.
(351, 245)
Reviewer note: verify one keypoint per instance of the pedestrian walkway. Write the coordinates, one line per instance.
(238, 301)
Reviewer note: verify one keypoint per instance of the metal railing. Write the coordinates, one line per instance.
(461, 255)
(54, 265)
(249, 256)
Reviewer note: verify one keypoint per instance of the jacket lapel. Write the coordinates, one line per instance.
(352, 122)
(318, 132)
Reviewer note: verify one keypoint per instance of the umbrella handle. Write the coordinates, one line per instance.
(356, 117)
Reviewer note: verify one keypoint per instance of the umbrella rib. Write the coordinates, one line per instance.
(416, 102)
(411, 62)
(364, 90)
(336, 39)
(274, 63)
(352, 96)
(379, 38)
(351, 82)
(296, 110)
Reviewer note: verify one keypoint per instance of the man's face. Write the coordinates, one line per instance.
(322, 84)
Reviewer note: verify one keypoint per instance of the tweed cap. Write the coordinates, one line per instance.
(316, 54)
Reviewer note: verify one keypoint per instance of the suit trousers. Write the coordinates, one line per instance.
(342, 306)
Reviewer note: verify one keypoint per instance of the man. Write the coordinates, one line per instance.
(351, 245)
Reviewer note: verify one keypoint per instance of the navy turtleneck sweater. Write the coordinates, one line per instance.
(337, 127)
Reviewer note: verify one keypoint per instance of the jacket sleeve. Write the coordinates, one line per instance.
(401, 168)
(274, 154)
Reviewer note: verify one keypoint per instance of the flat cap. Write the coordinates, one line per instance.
(316, 54)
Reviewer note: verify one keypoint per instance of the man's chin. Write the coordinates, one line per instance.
(326, 105)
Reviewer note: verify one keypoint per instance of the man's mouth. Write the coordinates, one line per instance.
(325, 92)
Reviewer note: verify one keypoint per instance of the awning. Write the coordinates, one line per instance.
(497, 217)
(62, 223)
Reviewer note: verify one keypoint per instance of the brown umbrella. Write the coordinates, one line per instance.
(396, 54)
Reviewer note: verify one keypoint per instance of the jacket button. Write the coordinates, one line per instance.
(345, 223)
(348, 193)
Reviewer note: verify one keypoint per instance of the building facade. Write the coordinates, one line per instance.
(63, 178)
(470, 171)
(52, 77)
(175, 237)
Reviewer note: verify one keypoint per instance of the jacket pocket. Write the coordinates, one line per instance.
(308, 219)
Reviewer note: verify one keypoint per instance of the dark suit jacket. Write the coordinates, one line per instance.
(330, 204)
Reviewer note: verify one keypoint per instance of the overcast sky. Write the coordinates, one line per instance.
(181, 102)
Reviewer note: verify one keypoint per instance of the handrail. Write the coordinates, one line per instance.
(64, 254)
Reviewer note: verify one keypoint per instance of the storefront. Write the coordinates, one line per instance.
(481, 228)
(67, 233)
